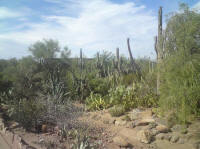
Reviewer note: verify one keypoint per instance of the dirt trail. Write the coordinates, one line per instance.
(117, 127)
(3, 143)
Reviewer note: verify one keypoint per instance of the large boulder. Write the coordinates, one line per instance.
(120, 123)
(174, 139)
(145, 121)
(162, 128)
(145, 136)
(160, 136)
(134, 115)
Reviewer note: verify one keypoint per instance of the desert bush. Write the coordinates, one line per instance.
(117, 111)
(99, 86)
(133, 96)
(180, 69)
(95, 102)
(116, 94)
(26, 112)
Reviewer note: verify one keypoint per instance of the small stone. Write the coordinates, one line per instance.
(154, 132)
(181, 141)
(112, 121)
(120, 123)
(145, 136)
(174, 139)
(44, 128)
(118, 140)
(146, 114)
(135, 114)
(167, 137)
(131, 125)
(160, 136)
(152, 125)
(162, 128)
(196, 145)
(145, 122)
(152, 146)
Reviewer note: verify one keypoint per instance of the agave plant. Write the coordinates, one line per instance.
(82, 143)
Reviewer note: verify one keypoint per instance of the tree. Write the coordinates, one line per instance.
(180, 68)
(44, 49)
(65, 53)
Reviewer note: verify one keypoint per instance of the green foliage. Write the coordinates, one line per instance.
(132, 97)
(180, 69)
(117, 111)
(99, 86)
(82, 142)
(95, 102)
(26, 113)
(45, 49)
(65, 53)
(128, 79)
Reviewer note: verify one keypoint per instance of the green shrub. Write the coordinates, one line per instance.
(132, 97)
(117, 111)
(116, 94)
(26, 112)
(180, 69)
(181, 86)
(95, 102)
(99, 86)
(128, 79)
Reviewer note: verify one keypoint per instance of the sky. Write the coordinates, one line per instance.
(93, 25)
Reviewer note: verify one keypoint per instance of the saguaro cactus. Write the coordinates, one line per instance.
(135, 67)
(118, 60)
(159, 48)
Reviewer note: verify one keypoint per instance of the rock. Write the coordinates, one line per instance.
(44, 128)
(162, 128)
(167, 137)
(130, 125)
(145, 122)
(174, 139)
(146, 114)
(154, 132)
(14, 125)
(112, 121)
(181, 141)
(180, 128)
(153, 146)
(135, 114)
(145, 136)
(120, 141)
(196, 145)
(160, 136)
(120, 123)
(152, 125)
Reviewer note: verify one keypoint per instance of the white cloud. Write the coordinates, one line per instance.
(197, 6)
(99, 25)
(8, 13)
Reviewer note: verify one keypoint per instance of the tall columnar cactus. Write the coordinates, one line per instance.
(81, 59)
(135, 67)
(118, 62)
(159, 48)
(81, 67)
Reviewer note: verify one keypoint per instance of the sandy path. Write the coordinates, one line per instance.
(3, 143)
